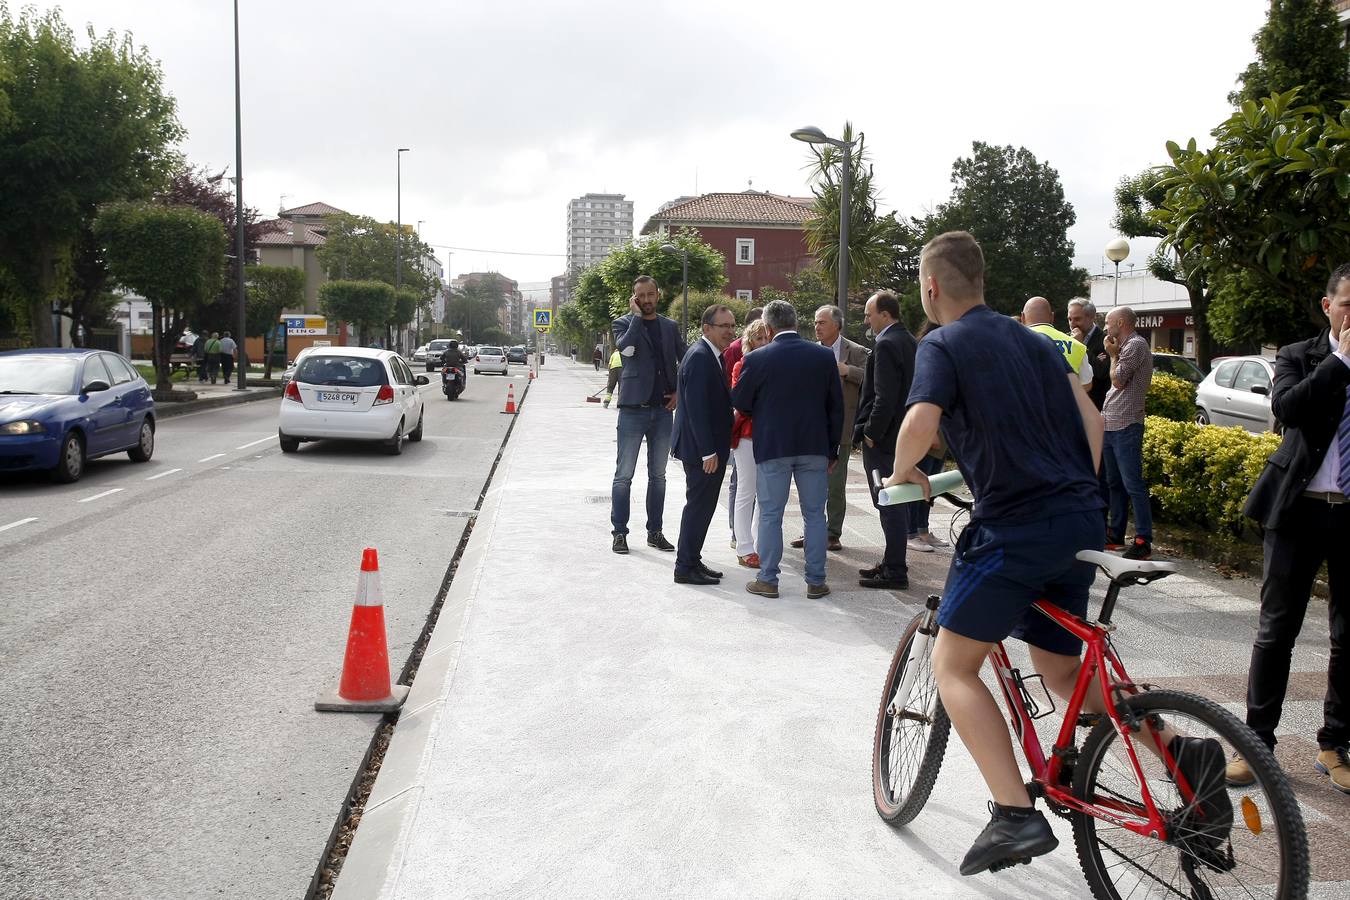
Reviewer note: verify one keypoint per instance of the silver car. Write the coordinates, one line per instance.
(1237, 392)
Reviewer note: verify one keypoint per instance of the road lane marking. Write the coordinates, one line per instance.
(255, 443)
(162, 474)
(209, 458)
(104, 494)
(18, 523)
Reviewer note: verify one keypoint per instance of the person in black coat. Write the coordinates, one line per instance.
(702, 440)
(1083, 324)
(1300, 498)
(886, 381)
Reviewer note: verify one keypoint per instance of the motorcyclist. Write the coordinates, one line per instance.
(454, 357)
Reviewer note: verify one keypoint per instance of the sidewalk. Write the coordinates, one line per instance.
(581, 726)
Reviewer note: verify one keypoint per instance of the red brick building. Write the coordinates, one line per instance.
(762, 236)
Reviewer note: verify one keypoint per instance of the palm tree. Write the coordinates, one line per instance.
(868, 248)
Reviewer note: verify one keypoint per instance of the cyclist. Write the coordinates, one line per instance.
(1028, 442)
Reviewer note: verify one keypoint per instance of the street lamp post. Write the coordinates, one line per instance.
(242, 384)
(1116, 251)
(684, 279)
(813, 135)
(398, 226)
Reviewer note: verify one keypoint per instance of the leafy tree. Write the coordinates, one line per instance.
(698, 302)
(405, 307)
(82, 285)
(1270, 200)
(1302, 44)
(602, 291)
(79, 127)
(359, 248)
(811, 289)
(1015, 207)
(271, 290)
(365, 304)
(568, 328)
(172, 255)
(474, 308)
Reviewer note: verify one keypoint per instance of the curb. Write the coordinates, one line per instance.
(172, 410)
(374, 862)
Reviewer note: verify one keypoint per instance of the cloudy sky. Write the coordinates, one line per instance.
(511, 107)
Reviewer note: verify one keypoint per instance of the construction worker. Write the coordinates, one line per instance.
(615, 369)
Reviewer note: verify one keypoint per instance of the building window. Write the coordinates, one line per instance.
(745, 295)
(745, 251)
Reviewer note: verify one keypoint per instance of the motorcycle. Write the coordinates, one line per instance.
(452, 382)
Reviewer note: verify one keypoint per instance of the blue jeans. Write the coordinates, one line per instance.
(773, 478)
(636, 423)
(1123, 459)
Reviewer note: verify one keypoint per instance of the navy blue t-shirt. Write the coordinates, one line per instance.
(1009, 417)
(661, 384)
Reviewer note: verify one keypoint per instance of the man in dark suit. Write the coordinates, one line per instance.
(790, 389)
(650, 347)
(702, 440)
(1300, 498)
(1085, 330)
(890, 370)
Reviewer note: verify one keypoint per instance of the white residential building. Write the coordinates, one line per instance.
(596, 223)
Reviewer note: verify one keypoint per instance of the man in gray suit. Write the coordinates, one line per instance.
(851, 359)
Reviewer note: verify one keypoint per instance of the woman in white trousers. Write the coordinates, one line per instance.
(745, 515)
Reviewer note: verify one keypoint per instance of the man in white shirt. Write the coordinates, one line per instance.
(227, 351)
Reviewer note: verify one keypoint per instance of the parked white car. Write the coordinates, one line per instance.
(351, 393)
(490, 359)
(1237, 392)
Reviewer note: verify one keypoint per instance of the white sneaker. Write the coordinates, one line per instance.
(919, 545)
(933, 540)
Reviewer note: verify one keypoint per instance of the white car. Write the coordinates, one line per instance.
(420, 354)
(1237, 392)
(354, 394)
(490, 359)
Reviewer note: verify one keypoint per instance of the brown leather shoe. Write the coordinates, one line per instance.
(816, 591)
(762, 589)
(1335, 764)
(1238, 773)
(799, 542)
(833, 544)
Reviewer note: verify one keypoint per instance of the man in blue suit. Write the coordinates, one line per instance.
(650, 347)
(790, 389)
(702, 440)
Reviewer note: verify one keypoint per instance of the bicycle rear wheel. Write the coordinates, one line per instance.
(908, 745)
(1225, 842)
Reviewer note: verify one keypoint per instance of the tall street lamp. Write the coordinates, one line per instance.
(813, 135)
(239, 213)
(1116, 251)
(684, 278)
(398, 228)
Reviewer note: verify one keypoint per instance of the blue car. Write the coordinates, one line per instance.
(62, 407)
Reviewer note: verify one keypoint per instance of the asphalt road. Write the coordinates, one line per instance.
(166, 628)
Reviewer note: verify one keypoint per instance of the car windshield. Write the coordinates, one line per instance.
(489, 351)
(37, 374)
(348, 371)
(438, 345)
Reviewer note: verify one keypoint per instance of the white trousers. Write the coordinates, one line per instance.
(745, 516)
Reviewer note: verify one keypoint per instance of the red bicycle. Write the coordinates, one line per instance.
(1140, 828)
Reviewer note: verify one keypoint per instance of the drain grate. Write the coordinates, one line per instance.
(597, 498)
(459, 513)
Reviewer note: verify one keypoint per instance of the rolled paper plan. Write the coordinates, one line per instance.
(941, 483)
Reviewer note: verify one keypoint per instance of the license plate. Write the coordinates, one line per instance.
(336, 397)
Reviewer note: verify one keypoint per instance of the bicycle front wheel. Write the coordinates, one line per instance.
(910, 740)
(1224, 842)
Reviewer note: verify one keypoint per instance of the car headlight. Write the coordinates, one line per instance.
(26, 426)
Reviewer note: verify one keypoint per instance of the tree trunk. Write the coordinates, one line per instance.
(40, 306)
(161, 361)
(1204, 341)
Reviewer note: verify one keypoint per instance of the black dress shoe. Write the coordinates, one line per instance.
(1009, 840)
(620, 543)
(658, 540)
(711, 573)
(873, 572)
(887, 582)
(694, 577)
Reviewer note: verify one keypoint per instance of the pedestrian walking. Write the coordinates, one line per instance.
(199, 357)
(886, 382)
(790, 389)
(1300, 499)
(1123, 453)
(615, 369)
(597, 356)
(745, 511)
(730, 357)
(702, 440)
(227, 350)
(1040, 318)
(213, 357)
(651, 348)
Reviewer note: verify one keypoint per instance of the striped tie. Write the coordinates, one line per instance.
(1343, 448)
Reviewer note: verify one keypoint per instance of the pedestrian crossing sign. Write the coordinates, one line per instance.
(543, 319)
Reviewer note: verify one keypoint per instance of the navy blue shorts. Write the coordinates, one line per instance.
(1001, 568)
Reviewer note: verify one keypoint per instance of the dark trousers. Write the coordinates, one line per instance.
(226, 366)
(1318, 532)
(918, 512)
(701, 491)
(894, 519)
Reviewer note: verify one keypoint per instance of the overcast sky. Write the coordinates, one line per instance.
(511, 107)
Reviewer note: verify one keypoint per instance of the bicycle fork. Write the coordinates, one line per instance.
(918, 650)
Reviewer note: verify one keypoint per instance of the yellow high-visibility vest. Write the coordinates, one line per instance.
(1074, 352)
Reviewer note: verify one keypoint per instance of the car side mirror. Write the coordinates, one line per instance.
(422, 379)
(1260, 389)
(93, 387)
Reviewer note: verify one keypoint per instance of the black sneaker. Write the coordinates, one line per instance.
(1009, 839)
(658, 540)
(1204, 824)
(1139, 549)
(620, 543)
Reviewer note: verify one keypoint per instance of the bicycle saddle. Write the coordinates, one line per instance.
(1126, 571)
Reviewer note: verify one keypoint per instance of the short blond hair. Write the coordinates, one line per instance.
(955, 259)
(757, 332)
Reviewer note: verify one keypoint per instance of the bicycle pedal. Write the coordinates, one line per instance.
(1010, 862)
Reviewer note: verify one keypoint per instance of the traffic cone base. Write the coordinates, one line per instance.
(364, 686)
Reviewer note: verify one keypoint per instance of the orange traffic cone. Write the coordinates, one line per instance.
(532, 374)
(510, 400)
(365, 683)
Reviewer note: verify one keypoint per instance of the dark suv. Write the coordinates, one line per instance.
(435, 350)
(516, 355)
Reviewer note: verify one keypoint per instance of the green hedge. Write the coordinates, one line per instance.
(1170, 397)
(1201, 474)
